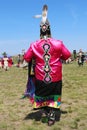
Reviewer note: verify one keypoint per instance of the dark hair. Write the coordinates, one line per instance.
(45, 29)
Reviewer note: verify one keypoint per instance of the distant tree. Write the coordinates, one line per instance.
(4, 54)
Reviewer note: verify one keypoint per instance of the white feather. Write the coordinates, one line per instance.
(44, 16)
(37, 16)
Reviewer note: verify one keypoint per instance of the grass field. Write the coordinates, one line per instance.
(17, 114)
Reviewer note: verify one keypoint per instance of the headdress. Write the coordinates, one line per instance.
(44, 25)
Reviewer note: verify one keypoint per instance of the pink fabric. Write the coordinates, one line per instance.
(57, 52)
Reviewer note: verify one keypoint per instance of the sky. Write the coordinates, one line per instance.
(18, 28)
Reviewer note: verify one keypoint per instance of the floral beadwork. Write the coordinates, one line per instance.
(46, 58)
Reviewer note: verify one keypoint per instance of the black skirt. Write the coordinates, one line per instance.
(42, 89)
(47, 94)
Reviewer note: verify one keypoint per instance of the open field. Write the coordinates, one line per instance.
(17, 114)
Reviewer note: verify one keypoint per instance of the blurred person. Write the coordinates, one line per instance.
(19, 60)
(80, 57)
(10, 61)
(0, 63)
(5, 62)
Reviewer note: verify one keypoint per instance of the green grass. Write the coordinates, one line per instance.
(17, 114)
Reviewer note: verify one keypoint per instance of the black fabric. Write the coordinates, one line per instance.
(42, 89)
(31, 66)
